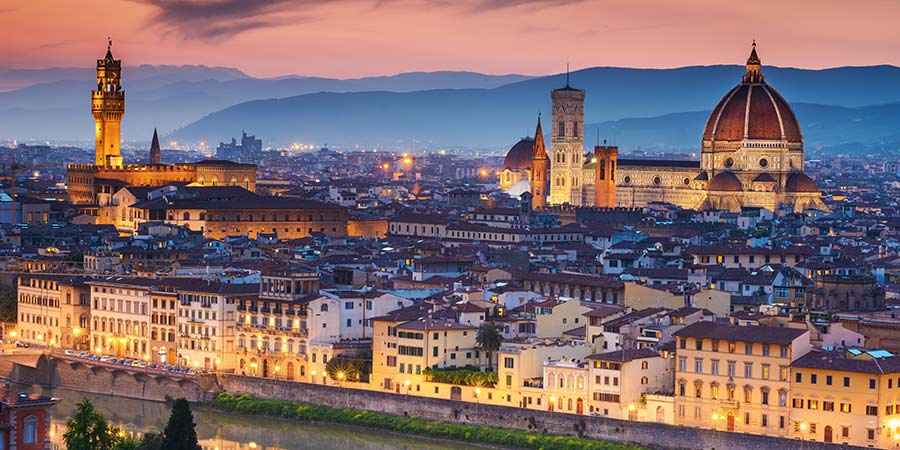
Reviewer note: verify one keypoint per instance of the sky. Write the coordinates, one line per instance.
(354, 38)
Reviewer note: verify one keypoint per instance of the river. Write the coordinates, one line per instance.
(224, 431)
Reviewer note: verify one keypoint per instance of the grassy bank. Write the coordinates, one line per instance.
(409, 425)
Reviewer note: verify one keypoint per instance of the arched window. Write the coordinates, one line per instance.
(324, 307)
(644, 380)
(187, 215)
(644, 365)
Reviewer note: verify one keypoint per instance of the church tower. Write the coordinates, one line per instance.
(540, 170)
(155, 153)
(566, 145)
(605, 176)
(108, 107)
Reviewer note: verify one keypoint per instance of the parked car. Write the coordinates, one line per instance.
(70, 353)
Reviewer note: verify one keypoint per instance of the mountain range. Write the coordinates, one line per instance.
(57, 105)
(635, 108)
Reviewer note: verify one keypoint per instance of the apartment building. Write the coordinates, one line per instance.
(54, 311)
(849, 397)
(736, 378)
(120, 314)
(272, 333)
(617, 380)
(207, 319)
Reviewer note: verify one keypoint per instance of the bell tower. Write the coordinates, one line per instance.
(108, 107)
(566, 145)
(605, 176)
(540, 170)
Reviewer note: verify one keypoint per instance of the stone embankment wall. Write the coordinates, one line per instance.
(653, 435)
(101, 379)
(84, 377)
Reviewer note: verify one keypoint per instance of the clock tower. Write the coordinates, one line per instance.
(567, 145)
(108, 107)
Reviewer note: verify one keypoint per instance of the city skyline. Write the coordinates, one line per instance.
(349, 39)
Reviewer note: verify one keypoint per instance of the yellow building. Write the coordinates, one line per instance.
(850, 397)
(619, 379)
(54, 311)
(120, 313)
(735, 378)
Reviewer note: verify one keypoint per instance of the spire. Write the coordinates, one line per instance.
(539, 151)
(109, 55)
(754, 65)
(154, 149)
(567, 82)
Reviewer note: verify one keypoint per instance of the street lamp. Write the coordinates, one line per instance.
(407, 383)
(277, 369)
(631, 409)
(313, 373)
(552, 402)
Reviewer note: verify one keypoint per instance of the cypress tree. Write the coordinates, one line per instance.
(180, 433)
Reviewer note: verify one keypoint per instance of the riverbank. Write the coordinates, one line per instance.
(247, 404)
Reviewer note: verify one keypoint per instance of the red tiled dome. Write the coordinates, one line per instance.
(520, 155)
(800, 182)
(752, 110)
(725, 181)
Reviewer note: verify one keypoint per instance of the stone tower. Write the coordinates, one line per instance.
(566, 145)
(108, 107)
(155, 153)
(605, 176)
(540, 170)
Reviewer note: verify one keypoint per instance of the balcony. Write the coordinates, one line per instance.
(730, 404)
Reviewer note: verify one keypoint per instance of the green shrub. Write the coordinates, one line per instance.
(462, 376)
(409, 425)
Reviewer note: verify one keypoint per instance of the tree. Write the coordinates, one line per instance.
(87, 429)
(489, 340)
(180, 433)
(151, 441)
(8, 303)
(354, 368)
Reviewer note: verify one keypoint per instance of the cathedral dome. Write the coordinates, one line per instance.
(725, 181)
(752, 110)
(800, 182)
(520, 155)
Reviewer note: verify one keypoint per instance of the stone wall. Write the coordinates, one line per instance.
(100, 379)
(652, 435)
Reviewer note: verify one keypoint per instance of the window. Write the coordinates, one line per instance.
(765, 372)
(845, 408)
(813, 378)
(748, 348)
(348, 305)
(698, 365)
(715, 345)
(871, 410)
(798, 403)
(698, 344)
(827, 406)
(846, 381)
(508, 363)
(765, 397)
(714, 367)
(682, 364)
(871, 383)
(812, 404)
(731, 365)
(30, 430)
(828, 380)
(798, 377)
(748, 370)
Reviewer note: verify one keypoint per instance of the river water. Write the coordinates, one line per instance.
(223, 431)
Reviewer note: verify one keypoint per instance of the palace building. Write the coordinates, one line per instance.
(751, 156)
(91, 186)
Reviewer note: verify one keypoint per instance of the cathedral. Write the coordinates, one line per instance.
(751, 156)
(91, 186)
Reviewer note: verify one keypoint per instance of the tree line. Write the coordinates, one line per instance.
(88, 430)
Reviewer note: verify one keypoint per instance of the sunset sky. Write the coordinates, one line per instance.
(352, 38)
